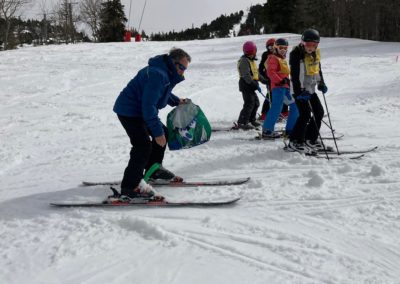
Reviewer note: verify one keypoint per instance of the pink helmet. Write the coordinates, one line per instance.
(249, 48)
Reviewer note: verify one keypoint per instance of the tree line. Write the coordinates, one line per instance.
(219, 28)
(366, 19)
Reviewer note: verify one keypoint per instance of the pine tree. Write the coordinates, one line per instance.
(112, 17)
(281, 15)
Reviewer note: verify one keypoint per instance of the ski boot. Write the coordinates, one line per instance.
(246, 126)
(162, 175)
(142, 191)
(317, 146)
(301, 148)
(270, 135)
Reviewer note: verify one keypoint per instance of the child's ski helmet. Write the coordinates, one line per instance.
(249, 48)
(270, 42)
(310, 35)
(281, 42)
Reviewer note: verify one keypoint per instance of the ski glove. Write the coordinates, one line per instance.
(185, 101)
(284, 81)
(322, 87)
(304, 96)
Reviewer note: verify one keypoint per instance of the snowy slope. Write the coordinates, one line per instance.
(300, 220)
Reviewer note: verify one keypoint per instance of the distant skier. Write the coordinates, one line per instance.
(306, 74)
(137, 108)
(278, 72)
(262, 70)
(248, 84)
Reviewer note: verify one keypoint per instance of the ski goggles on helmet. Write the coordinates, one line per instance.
(310, 44)
(181, 66)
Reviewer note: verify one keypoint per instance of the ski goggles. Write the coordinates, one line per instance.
(181, 66)
(282, 47)
(310, 44)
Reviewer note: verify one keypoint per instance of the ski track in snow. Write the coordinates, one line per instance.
(300, 220)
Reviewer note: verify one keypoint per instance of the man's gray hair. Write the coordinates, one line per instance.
(177, 54)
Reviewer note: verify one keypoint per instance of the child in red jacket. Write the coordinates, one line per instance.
(278, 72)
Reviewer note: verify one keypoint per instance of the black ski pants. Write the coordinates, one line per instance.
(306, 128)
(144, 152)
(250, 107)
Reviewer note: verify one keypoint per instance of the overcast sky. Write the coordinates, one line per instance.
(168, 15)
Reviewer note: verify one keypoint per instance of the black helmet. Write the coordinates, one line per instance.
(281, 41)
(310, 35)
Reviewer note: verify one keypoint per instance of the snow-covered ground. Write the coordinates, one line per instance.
(300, 220)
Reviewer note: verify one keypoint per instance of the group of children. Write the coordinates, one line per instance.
(290, 84)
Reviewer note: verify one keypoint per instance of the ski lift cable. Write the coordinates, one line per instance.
(129, 17)
(140, 23)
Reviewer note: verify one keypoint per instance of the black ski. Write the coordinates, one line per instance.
(221, 182)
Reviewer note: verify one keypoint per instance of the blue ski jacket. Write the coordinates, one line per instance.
(150, 91)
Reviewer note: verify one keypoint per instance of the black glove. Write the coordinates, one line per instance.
(284, 82)
(322, 87)
(304, 96)
(255, 85)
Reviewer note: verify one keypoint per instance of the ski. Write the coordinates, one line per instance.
(337, 137)
(225, 129)
(146, 202)
(234, 127)
(258, 137)
(335, 157)
(331, 155)
(223, 182)
(349, 152)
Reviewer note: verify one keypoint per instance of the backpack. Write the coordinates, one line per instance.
(187, 127)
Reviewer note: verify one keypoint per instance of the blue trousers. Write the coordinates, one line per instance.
(279, 96)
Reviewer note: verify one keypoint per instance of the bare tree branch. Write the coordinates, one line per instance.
(8, 10)
(90, 14)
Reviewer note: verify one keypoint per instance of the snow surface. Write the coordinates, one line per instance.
(300, 220)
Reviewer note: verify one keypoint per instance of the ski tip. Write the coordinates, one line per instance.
(246, 179)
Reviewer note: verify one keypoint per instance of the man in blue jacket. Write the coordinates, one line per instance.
(137, 108)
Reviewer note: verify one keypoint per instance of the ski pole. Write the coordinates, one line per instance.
(262, 95)
(327, 125)
(316, 127)
(330, 123)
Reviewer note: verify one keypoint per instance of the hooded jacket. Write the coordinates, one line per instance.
(149, 91)
(277, 70)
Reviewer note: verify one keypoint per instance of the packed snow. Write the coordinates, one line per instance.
(299, 220)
